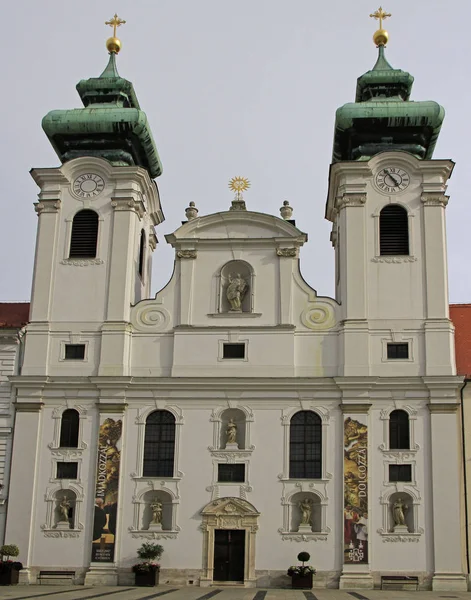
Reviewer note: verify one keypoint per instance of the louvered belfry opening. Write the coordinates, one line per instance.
(142, 246)
(84, 235)
(393, 231)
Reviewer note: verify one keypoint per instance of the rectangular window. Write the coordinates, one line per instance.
(400, 472)
(233, 351)
(74, 351)
(232, 473)
(67, 470)
(398, 351)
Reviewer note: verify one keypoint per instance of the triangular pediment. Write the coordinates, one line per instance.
(229, 507)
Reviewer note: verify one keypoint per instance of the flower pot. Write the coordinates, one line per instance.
(147, 578)
(9, 577)
(301, 582)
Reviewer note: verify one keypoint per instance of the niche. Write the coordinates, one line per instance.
(64, 499)
(236, 417)
(236, 287)
(312, 508)
(147, 514)
(395, 501)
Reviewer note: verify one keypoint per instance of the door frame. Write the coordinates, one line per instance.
(229, 513)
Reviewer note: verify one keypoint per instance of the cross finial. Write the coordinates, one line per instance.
(115, 22)
(381, 15)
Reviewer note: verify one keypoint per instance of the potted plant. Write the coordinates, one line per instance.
(9, 569)
(301, 575)
(147, 572)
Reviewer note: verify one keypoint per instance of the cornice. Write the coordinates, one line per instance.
(443, 407)
(355, 407)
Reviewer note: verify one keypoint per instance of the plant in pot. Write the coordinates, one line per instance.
(9, 569)
(301, 575)
(147, 572)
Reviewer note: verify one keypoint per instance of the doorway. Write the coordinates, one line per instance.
(229, 553)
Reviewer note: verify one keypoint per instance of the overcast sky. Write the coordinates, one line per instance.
(230, 88)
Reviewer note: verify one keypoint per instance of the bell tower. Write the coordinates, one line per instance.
(96, 237)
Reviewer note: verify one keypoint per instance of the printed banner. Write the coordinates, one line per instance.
(106, 488)
(355, 478)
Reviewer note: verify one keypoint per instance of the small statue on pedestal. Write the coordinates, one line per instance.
(231, 432)
(156, 507)
(306, 511)
(236, 291)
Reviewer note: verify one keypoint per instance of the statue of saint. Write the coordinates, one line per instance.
(236, 291)
(64, 510)
(156, 507)
(306, 510)
(398, 512)
(231, 432)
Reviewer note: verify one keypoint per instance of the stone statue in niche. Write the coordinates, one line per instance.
(399, 518)
(236, 290)
(64, 509)
(156, 507)
(231, 433)
(306, 511)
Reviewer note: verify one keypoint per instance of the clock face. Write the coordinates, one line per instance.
(392, 180)
(88, 185)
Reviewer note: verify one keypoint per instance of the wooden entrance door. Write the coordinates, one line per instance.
(229, 553)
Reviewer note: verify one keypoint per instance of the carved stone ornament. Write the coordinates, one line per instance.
(81, 262)
(187, 254)
(401, 538)
(434, 199)
(154, 535)
(287, 252)
(61, 534)
(394, 259)
(47, 206)
(128, 204)
(287, 536)
(350, 200)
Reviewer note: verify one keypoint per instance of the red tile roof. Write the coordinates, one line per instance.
(14, 314)
(460, 314)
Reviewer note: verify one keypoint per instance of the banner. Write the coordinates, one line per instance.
(355, 478)
(106, 488)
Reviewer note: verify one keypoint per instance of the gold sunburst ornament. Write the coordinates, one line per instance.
(238, 185)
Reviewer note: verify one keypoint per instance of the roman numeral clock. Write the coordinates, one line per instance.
(392, 180)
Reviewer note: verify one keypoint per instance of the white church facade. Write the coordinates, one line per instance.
(239, 417)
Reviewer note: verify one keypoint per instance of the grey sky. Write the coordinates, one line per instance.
(230, 88)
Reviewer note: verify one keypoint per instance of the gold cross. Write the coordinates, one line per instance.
(115, 22)
(380, 14)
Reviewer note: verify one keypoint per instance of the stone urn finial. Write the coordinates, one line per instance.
(191, 211)
(286, 210)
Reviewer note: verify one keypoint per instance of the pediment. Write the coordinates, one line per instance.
(237, 224)
(229, 507)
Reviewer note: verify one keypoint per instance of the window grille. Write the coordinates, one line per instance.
(398, 351)
(84, 237)
(69, 429)
(231, 473)
(305, 446)
(400, 472)
(399, 432)
(233, 351)
(393, 231)
(159, 445)
(74, 351)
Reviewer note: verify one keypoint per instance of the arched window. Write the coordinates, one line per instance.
(69, 429)
(84, 234)
(399, 436)
(159, 445)
(142, 245)
(393, 230)
(305, 446)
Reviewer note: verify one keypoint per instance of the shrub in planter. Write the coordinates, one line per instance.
(301, 575)
(9, 569)
(147, 572)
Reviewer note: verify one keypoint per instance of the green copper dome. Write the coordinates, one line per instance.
(111, 125)
(383, 118)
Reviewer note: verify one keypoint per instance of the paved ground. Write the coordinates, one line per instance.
(196, 593)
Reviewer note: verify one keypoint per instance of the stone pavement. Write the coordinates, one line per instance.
(47, 592)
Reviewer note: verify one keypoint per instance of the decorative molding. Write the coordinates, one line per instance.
(443, 407)
(394, 259)
(434, 199)
(81, 262)
(358, 199)
(230, 456)
(154, 535)
(288, 536)
(389, 537)
(47, 206)
(128, 204)
(150, 316)
(191, 254)
(287, 252)
(53, 533)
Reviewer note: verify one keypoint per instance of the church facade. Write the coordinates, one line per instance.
(239, 417)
